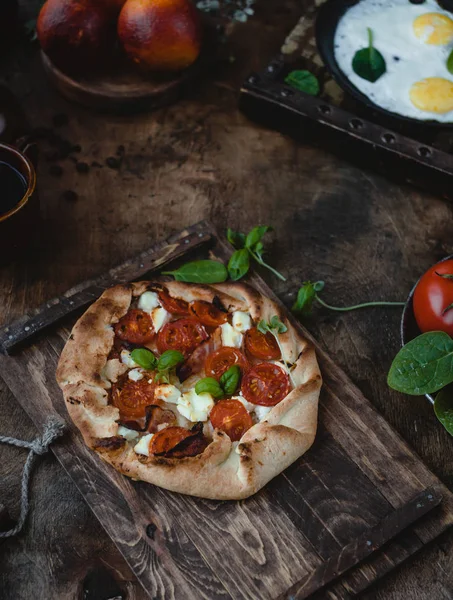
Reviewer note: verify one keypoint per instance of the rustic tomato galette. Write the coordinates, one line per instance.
(203, 390)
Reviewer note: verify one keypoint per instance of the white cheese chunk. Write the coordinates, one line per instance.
(143, 445)
(230, 337)
(195, 407)
(159, 317)
(127, 360)
(167, 393)
(241, 321)
(248, 405)
(129, 434)
(261, 412)
(135, 375)
(148, 301)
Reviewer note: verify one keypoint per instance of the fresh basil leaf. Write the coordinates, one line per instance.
(443, 408)
(276, 324)
(209, 385)
(200, 271)
(263, 327)
(144, 358)
(236, 238)
(305, 297)
(239, 264)
(450, 62)
(169, 360)
(259, 247)
(162, 376)
(254, 236)
(424, 365)
(368, 63)
(304, 81)
(230, 380)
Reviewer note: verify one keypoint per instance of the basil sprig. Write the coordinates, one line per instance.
(368, 63)
(248, 246)
(304, 81)
(424, 365)
(200, 271)
(275, 327)
(144, 358)
(168, 360)
(227, 385)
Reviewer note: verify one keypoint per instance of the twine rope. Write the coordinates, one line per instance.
(53, 429)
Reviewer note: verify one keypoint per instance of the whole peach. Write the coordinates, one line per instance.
(161, 35)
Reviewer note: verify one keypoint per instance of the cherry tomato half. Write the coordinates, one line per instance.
(207, 313)
(135, 327)
(167, 439)
(232, 417)
(132, 397)
(432, 298)
(265, 384)
(261, 346)
(175, 306)
(222, 359)
(183, 335)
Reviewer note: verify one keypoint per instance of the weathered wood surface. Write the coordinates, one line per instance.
(367, 238)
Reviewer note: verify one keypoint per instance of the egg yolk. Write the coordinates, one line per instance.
(434, 28)
(432, 94)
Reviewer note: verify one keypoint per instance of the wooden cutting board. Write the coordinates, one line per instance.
(354, 507)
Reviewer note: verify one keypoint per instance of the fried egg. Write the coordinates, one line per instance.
(415, 41)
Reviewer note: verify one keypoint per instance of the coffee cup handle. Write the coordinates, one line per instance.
(25, 145)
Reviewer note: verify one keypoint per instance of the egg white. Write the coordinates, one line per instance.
(407, 58)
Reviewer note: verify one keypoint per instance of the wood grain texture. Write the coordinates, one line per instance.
(366, 237)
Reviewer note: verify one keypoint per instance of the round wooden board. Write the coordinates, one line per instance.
(121, 89)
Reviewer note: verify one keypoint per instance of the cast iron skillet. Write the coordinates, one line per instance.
(327, 20)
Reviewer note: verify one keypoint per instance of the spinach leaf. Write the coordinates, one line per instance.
(169, 360)
(144, 358)
(230, 380)
(443, 407)
(239, 264)
(424, 365)
(209, 385)
(450, 62)
(368, 63)
(236, 238)
(200, 271)
(304, 81)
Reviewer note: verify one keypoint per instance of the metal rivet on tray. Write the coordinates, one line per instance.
(151, 530)
(325, 109)
(388, 138)
(27, 328)
(356, 124)
(424, 152)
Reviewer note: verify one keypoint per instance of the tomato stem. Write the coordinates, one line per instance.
(356, 306)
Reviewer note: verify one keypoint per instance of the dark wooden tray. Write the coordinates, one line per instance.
(355, 506)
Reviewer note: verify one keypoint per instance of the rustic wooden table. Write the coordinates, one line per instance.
(201, 158)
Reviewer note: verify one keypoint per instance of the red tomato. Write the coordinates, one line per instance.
(222, 359)
(261, 346)
(175, 306)
(164, 441)
(207, 313)
(132, 397)
(183, 335)
(232, 417)
(265, 384)
(432, 298)
(135, 327)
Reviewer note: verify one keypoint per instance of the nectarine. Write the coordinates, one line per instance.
(161, 35)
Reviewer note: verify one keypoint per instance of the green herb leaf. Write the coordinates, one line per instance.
(162, 376)
(305, 297)
(209, 385)
(263, 327)
(230, 380)
(200, 271)
(424, 365)
(169, 360)
(236, 238)
(304, 81)
(144, 358)
(277, 325)
(239, 264)
(443, 408)
(255, 235)
(368, 63)
(450, 62)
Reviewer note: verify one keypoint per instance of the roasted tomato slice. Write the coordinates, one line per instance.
(167, 439)
(135, 327)
(232, 417)
(222, 359)
(261, 346)
(265, 384)
(175, 306)
(207, 313)
(132, 397)
(183, 335)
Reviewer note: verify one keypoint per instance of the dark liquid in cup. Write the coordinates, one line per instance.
(12, 187)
